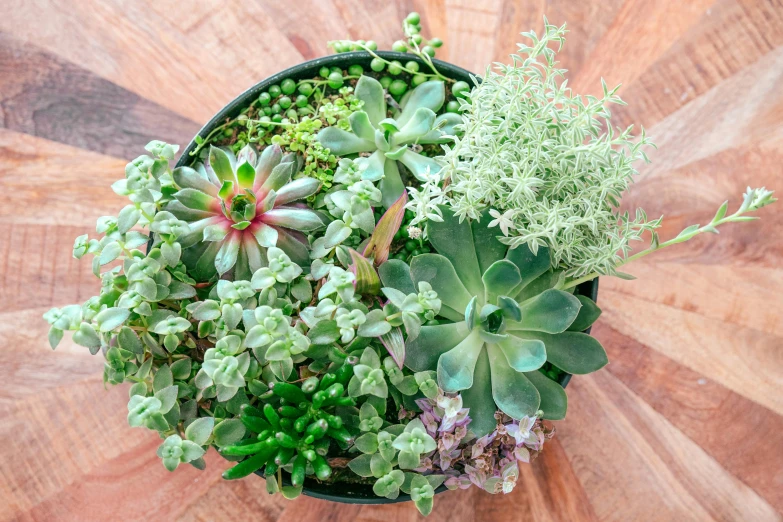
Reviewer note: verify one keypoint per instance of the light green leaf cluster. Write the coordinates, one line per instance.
(388, 451)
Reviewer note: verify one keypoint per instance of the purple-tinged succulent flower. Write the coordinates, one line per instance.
(490, 462)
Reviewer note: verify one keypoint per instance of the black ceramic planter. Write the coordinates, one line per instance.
(349, 493)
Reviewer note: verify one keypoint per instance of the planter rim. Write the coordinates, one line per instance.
(344, 492)
(307, 70)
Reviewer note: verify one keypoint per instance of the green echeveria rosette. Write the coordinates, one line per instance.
(505, 321)
(388, 139)
(240, 205)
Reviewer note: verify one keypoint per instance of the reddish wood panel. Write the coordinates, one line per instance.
(686, 422)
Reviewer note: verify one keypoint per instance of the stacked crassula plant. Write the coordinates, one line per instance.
(279, 298)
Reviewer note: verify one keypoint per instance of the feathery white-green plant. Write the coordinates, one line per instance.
(547, 161)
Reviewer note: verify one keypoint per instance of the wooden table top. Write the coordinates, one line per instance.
(686, 422)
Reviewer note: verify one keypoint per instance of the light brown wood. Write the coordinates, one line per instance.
(686, 422)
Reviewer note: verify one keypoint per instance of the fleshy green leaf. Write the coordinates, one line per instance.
(397, 274)
(572, 352)
(370, 91)
(408, 460)
(367, 443)
(361, 465)
(163, 378)
(454, 240)
(500, 279)
(128, 340)
(375, 325)
(180, 369)
(111, 318)
(167, 397)
(441, 274)
(455, 367)
(530, 266)
(514, 394)
(419, 125)
(86, 336)
(228, 432)
(324, 332)
(392, 187)
(221, 164)
(361, 126)
(478, 399)
(341, 142)
(429, 94)
(226, 257)
(551, 311)
(554, 401)
(422, 167)
(588, 314)
(200, 430)
(523, 355)
(423, 353)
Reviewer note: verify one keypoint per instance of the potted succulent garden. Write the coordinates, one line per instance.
(370, 277)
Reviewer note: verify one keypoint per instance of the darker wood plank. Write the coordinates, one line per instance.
(43, 95)
(742, 436)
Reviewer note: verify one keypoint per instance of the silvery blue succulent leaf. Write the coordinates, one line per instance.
(418, 126)
(445, 125)
(429, 95)
(341, 142)
(370, 91)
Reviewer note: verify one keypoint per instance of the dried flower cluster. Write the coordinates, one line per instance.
(490, 462)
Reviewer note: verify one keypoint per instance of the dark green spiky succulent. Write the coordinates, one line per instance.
(388, 138)
(507, 320)
(295, 435)
(238, 207)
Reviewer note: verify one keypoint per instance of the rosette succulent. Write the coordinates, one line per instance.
(504, 318)
(239, 206)
(388, 139)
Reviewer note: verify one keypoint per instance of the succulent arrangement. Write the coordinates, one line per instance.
(370, 278)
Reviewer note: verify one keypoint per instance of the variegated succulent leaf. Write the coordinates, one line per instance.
(237, 207)
(502, 320)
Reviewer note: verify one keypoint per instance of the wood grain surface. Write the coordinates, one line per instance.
(686, 422)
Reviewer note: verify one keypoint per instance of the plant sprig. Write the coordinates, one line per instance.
(753, 200)
(413, 43)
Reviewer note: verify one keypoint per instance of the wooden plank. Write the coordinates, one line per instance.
(46, 96)
(643, 29)
(132, 45)
(724, 424)
(730, 294)
(742, 359)
(471, 32)
(685, 423)
(711, 126)
(37, 268)
(729, 36)
(635, 465)
(71, 187)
